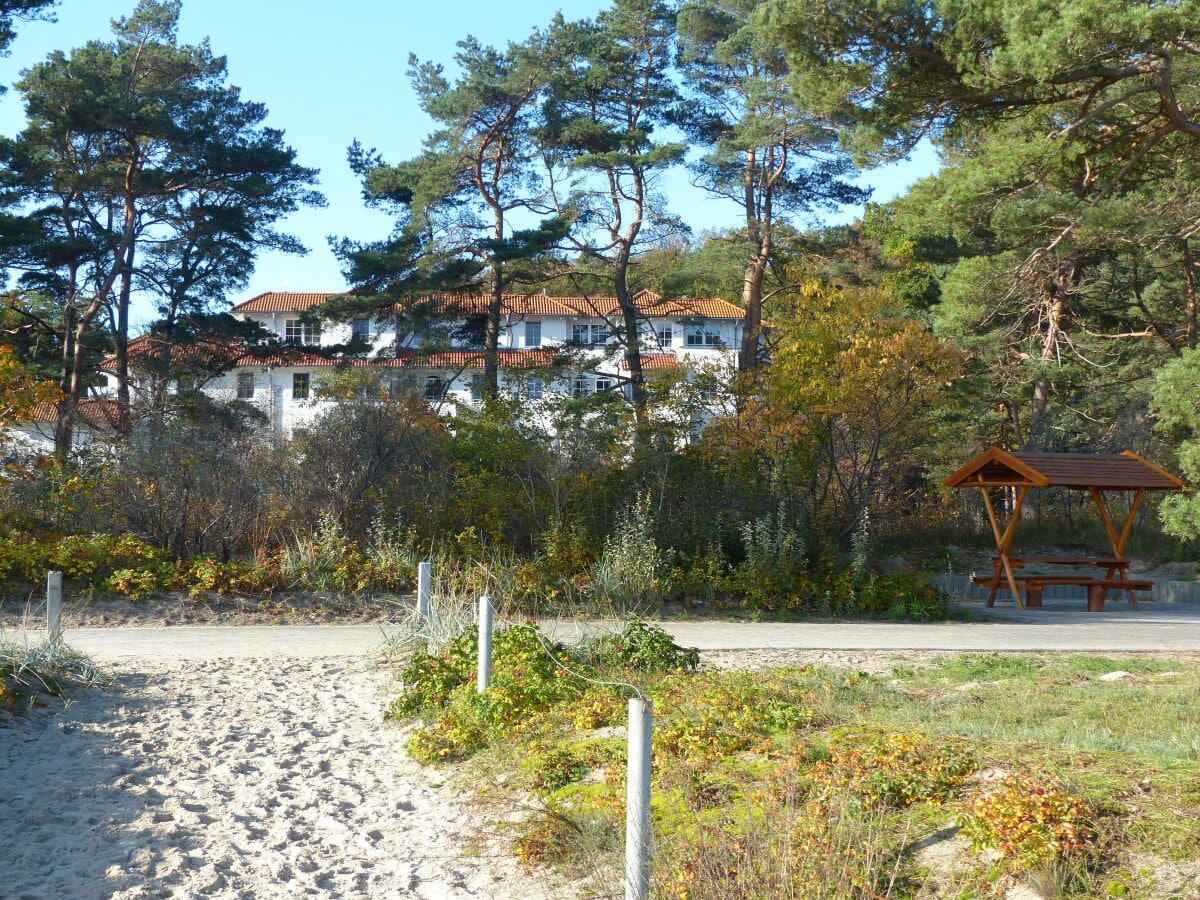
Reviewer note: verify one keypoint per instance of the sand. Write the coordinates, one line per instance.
(237, 778)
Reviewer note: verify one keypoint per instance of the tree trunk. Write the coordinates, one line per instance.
(633, 350)
(1042, 386)
(75, 351)
(1189, 277)
(752, 283)
(491, 345)
(121, 342)
(758, 228)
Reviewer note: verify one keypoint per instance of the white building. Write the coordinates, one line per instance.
(96, 422)
(549, 347)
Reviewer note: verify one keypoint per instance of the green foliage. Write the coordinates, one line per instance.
(120, 563)
(640, 647)
(808, 783)
(1177, 404)
(30, 673)
(525, 682)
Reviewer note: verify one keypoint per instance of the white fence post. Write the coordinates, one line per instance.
(484, 672)
(637, 800)
(54, 595)
(424, 589)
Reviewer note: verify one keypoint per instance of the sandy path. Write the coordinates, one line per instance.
(234, 778)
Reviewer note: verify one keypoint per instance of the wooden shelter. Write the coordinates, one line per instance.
(1094, 473)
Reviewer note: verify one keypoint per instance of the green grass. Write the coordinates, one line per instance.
(813, 783)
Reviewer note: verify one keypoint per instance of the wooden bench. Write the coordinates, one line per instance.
(1097, 588)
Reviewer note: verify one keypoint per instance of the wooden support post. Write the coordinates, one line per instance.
(1113, 540)
(1134, 506)
(1004, 538)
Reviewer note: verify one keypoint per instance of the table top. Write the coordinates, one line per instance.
(1067, 560)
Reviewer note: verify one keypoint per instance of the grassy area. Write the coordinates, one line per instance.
(31, 673)
(959, 779)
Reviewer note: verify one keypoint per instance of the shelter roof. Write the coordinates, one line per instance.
(1109, 471)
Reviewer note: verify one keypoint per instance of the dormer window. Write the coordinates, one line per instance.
(297, 332)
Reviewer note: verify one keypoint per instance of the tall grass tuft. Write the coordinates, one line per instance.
(451, 612)
(30, 672)
(627, 574)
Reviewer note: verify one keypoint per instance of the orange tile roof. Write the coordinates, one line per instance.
(219, 355)
(462, 359)
(283, 301)
(655, 361)
(90, 411)
(649, 303)
(476, 304)
(207, 353)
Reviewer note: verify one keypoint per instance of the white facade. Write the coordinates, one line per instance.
(35, 437)
(448, 371)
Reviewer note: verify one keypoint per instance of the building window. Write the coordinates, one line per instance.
(300, 386)
(476, 387)
(603, 384)
(666, 334)
(433, 388)
(534, 388)
(589, 334)
(698, 336)
(297, 332)
(245, 386)
(402, 385)
(299, 433)
(581, 386)
(360, 330)
(533, 334)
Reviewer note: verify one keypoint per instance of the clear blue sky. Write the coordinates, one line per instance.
(332, 72)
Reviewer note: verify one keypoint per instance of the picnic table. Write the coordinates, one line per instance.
(1116, 577)
(1018, 473)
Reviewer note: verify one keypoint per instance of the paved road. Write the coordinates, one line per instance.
(1157, 627)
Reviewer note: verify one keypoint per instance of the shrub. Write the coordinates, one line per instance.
(894, 769)
(525, 683)
(1030, 819)
(642, 648)
(903, 595)
(627, 573)
(121, 563)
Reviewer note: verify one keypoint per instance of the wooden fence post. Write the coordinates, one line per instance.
(424, 589)
(54, 596)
